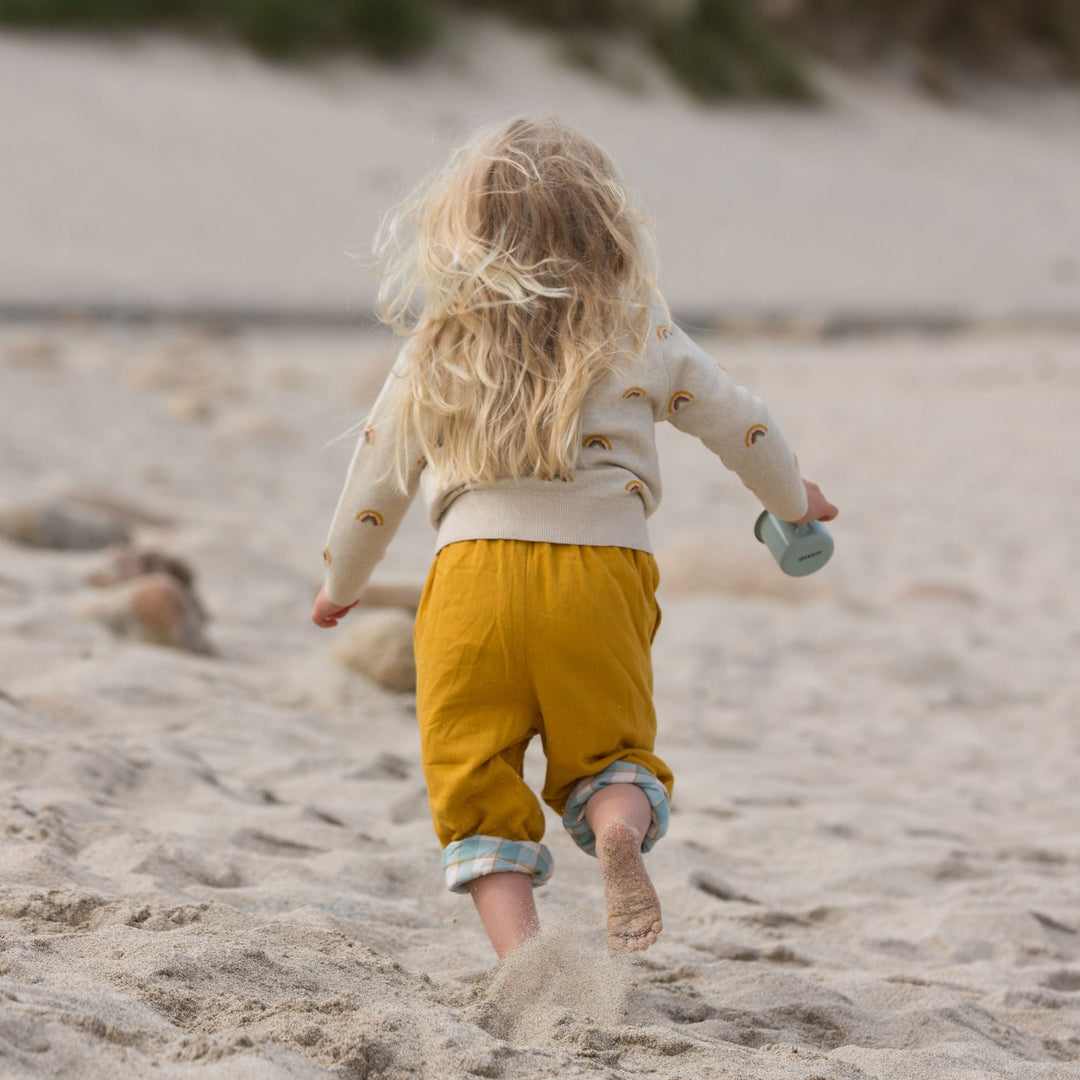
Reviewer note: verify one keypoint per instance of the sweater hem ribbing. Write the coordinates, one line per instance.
(558, 518)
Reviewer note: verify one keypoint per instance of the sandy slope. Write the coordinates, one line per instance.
(223, 866)
(156, 172)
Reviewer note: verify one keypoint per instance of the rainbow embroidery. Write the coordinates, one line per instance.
(634, 391)
(634, 486)
(372, 516)
(369, 435)
(679, 399)
(596, 442)
(663, 332)
(326, 556)
(758, 431)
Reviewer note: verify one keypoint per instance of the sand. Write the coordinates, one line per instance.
(220, 864)
(167, 175)
(225, 862)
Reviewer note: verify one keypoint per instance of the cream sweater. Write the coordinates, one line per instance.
(614, 488)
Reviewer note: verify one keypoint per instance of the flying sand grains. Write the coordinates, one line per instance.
(553, 984)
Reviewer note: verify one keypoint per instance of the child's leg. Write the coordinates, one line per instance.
(599, 723)
(620, 816)
(620, 802)
(506, 908)
(477, 712)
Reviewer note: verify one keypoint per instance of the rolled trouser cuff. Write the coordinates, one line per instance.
(618, 772)
(476, 856)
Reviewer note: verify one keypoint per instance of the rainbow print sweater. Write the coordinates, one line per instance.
(613, 489)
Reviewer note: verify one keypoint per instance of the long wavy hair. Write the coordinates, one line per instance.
(521, 272)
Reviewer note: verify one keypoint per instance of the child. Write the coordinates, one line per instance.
(538, 358)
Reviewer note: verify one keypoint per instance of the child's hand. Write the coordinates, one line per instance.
(325, 613)
(819, 508)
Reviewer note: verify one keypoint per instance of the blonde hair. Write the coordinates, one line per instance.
(520, 272)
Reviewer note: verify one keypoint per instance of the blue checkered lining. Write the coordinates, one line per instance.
(465, 860)
(618, 772)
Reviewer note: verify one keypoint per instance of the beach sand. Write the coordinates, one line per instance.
(156, 174)
(220, 863)
(223, 864)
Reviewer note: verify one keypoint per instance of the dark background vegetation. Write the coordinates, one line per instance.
(716, 48)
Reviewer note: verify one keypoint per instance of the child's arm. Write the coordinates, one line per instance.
(704, 401)
(369, 511)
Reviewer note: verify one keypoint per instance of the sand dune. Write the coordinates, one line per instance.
(154, 173)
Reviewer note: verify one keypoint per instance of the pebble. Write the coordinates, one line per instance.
(406, 597)
(131, 562)
(379, 644)
(35, 352)
(155, 608)
(62, 527)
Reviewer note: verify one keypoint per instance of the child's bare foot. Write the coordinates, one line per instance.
(633, 909)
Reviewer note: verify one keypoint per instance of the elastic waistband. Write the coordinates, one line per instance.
(558, 518)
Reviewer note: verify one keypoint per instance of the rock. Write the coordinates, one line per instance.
(406, 597)
(33, 352)
(77, 521)
(193, 405)
(116, 509)
(129, 562)
(379, 644)
(62, 527)
(154, 608)
(195, 376)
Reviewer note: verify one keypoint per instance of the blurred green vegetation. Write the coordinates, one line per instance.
(980, 34)
(716, 48)
(391, 29)
(728, 47)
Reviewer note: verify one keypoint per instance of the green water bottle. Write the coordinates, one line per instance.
(799, 549)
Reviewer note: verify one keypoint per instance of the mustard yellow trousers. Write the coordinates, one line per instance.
(516, 639)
